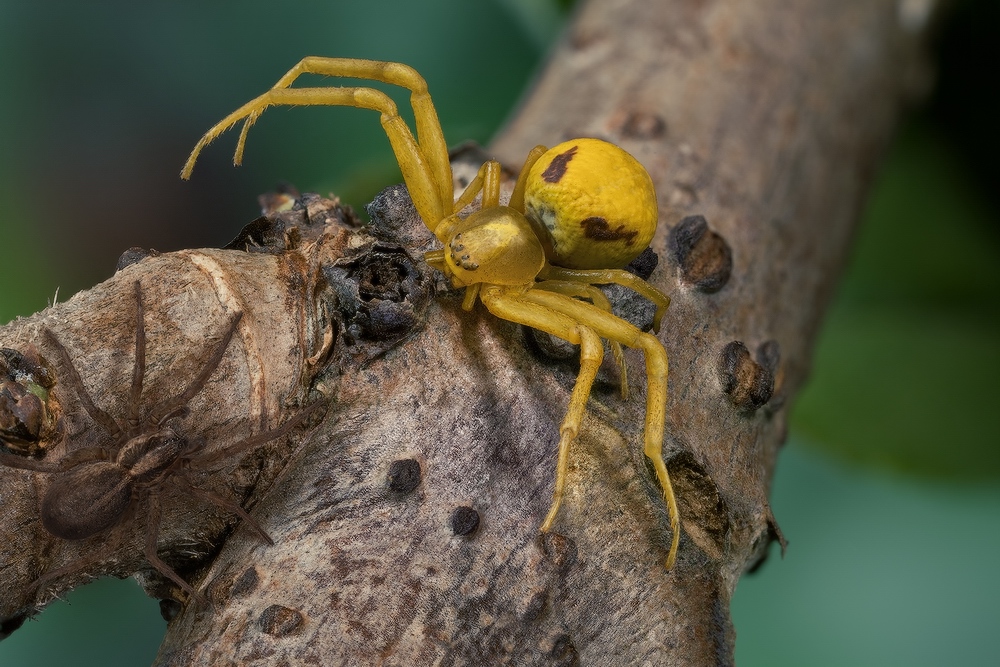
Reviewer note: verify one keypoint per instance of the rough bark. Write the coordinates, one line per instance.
(406, 522)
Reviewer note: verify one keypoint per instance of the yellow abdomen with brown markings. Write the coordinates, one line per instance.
(592, 204)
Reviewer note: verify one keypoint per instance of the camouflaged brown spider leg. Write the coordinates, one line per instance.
(228, 452)
(79, 456)
(24, 463)
(183, 482)
(152, 534)
(133, 420)
(195, 462)
(72, 378)
(68, 461)
(169, 408)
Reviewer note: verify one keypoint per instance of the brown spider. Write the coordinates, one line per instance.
(95, 488)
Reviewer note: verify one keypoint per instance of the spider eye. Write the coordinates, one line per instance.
(592, 205)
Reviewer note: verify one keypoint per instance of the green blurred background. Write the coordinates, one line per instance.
(888, 490)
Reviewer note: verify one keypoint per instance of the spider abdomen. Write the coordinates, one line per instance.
(86, 500)
(592, 205)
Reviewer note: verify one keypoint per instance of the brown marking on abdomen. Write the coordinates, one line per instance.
(557, 168)
(598, 229)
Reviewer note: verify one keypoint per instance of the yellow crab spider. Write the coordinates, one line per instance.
(578, 213)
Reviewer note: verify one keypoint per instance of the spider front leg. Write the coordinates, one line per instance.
(431, 137)
(169, 408)
(207, 461)
(139, 368)
(487, 181)
(424, 164)
(72, 378)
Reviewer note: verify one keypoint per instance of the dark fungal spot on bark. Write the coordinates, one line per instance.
(404, 475)
(643, 125)
(278, 620)
(559, 550)
(534, 607)
(245, 583)
(464, 521)
(134, 256)
(563, 652)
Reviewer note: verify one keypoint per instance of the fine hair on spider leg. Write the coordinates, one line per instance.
(578, 213)
(94, 490)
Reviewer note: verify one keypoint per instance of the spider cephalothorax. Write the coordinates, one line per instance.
(578, 213)
(92, 489)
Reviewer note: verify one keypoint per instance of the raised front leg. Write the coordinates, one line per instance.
(424, 163)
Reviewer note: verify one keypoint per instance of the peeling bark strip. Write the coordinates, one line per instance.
(768, 118)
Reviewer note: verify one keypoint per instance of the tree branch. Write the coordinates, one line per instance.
(406, 523)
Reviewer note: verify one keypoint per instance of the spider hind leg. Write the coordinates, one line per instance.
(596, 297)
(152, 534)
(569, 318)
(612, 277)
(226, 504)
